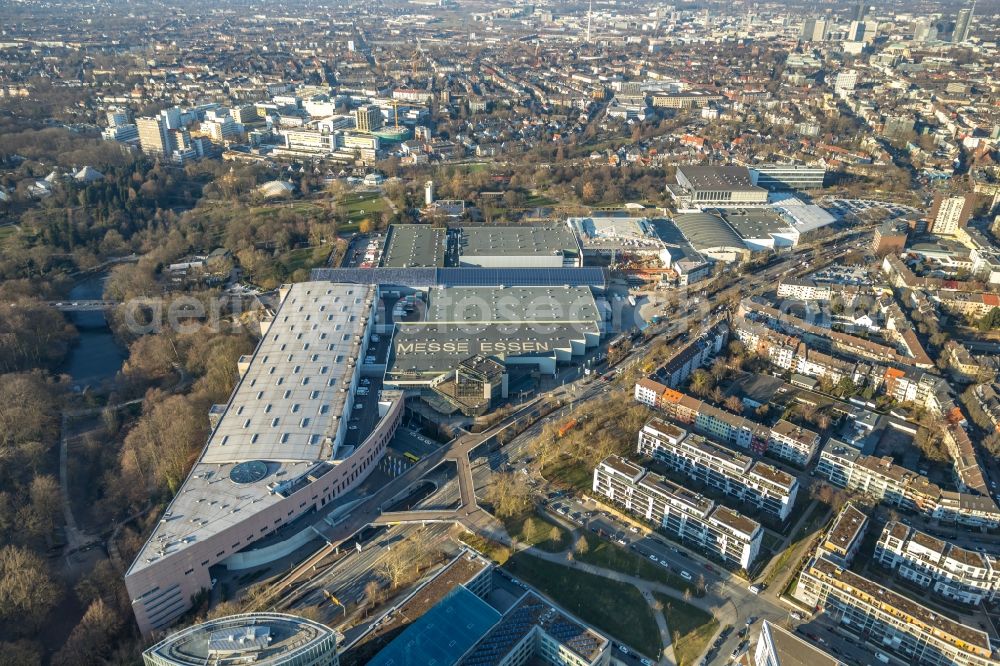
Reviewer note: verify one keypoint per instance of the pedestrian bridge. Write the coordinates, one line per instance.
(83, 306)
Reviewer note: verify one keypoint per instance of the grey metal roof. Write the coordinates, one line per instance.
(705, 231)
(421, 351)
(724, 178)
(415, 245)
(463, 305)
(516, 241)
(588, 276)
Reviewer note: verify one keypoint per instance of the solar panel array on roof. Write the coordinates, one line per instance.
(410, 277)
(588, 276)
(523, 277)
(530, 612)
(497, 645)
(571, 634)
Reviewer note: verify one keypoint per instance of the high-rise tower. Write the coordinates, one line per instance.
(862, 10)
(963, 23)
(590, 15)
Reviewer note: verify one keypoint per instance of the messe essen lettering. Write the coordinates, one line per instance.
(501, 347)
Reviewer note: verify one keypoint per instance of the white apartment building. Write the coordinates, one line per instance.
(792, 443)
(685, 515)
(735, 474)
(847, 80)
(950, 213)
(881, 479)
(778, 647)
(842, 540)
(648, 392)
(308, 141)
(912, 632)
(956, 573)
(804, 290)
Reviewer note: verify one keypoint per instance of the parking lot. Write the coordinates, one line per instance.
(748, 605)
(860, 207)
(364, 251)
(364, 416)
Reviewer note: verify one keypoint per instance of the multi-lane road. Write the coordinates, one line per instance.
(727, 596)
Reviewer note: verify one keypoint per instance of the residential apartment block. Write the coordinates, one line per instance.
(706, 418)
(792, 442)
(784, 440)
(913, 632)
(732, 473)
(685, 515)
(879, 478)
(779, 647)
(805, 290)
(777, 177)
(692, 356)
(907, 352)
(843, 539)
(946, 569)
(948, 214)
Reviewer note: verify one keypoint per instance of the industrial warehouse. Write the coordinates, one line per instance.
(279, 449)
(529, 326)
(419, 245)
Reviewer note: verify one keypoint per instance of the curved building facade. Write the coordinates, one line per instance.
(263, 639)
(712, 236)
(279, 450)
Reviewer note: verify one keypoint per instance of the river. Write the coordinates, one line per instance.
(96, 356)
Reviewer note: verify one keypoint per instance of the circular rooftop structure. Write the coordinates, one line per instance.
(393, 134)
(263, 639)
(250, 471)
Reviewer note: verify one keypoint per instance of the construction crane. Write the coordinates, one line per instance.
(395, 113)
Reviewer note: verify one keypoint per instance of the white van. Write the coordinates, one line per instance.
(755, 589)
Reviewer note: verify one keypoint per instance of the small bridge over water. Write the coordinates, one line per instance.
(84, 306)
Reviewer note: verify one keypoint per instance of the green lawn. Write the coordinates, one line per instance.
(491, 549)
(615, 608)
(571, 472)
(608, 555)
(536, 530)
(298, 208)
(813, 522)
(691, 627)
(361, 205)
(536, 200)
(305, 258)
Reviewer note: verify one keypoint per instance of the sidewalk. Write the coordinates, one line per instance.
(724, 613)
